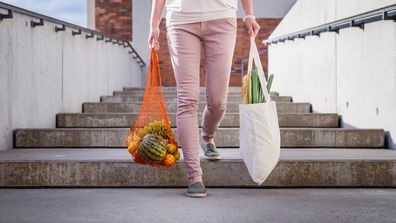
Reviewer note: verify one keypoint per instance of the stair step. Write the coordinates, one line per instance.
(171, 107)
(172, 98)
(173, 89)
(225, 137)
(115, 168)
(119, 120)
(173, 93)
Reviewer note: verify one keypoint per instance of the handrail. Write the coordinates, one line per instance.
(89, 32)
(359, 20)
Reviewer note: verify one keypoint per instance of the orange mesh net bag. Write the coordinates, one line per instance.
(151, 140)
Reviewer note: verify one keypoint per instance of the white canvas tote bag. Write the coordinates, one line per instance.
(259, 135)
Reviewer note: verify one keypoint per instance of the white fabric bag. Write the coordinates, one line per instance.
(259, 134)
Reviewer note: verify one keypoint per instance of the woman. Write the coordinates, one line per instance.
(191, 23)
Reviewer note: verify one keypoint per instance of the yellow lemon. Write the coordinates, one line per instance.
(177, 155)
(171, 148)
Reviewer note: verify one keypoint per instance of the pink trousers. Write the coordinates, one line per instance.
(217, 37)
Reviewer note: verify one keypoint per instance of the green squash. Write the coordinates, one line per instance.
(153, 148)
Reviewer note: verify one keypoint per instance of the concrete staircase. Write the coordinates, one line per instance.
(87, 150)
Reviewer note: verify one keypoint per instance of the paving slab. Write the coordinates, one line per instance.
(221, 205)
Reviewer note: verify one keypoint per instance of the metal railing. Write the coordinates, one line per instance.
(39, 20)
(385, 13)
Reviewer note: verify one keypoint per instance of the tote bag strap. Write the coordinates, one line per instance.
(254, 56)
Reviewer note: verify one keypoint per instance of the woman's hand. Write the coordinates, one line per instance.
(252, 26)
(153, 39)
(157, 8)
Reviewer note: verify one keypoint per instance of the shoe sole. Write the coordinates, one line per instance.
(197, 195)
(213, 158)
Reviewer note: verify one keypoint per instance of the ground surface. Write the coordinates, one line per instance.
(222, 205)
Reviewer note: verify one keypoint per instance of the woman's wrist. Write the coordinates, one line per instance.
(154, 26)
(248, 16)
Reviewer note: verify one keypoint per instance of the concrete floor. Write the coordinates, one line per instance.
(222, 205)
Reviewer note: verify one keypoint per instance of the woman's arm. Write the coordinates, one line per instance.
(157, 9)
(249, 19)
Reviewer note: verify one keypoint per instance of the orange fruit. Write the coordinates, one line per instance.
(169, 160)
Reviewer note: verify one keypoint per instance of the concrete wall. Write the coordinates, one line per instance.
(352, 73)
(268, 8)
(141, 11)
(309, 13)
(91, 14)
(43, 73)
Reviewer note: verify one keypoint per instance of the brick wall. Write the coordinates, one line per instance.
(241, 52)
(114, 17)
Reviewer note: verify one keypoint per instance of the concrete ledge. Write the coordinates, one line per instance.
(173, 93)
(173, 89)
(225, 137)
(171, 107)
(85, 120)
(172, 98)
(114, 168)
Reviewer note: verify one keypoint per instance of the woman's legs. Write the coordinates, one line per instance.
(184, 42)
(185, 48)
(219, 37)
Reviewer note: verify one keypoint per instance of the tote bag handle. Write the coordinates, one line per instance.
(254, 56)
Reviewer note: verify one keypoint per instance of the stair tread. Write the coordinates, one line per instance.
(115, 168)
(227, 128)
(199, 113)
(174, 93)
(121, 155)
(128, 107)
(200, 102)
(169, 98)
(230, 119)
(230, 88)
(225, 137)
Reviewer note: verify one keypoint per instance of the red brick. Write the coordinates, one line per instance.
(114, 18)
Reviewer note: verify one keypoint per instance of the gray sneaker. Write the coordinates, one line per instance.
(197, 190)
(210, 151)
